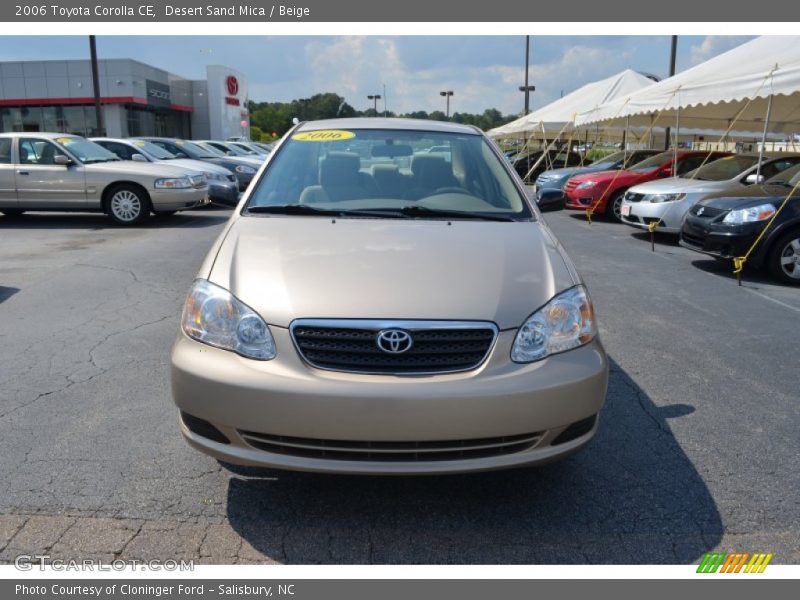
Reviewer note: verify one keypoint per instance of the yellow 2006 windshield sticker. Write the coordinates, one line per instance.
(324, 135)
(65, 141)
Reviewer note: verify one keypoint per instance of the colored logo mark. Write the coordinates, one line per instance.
(740, 562)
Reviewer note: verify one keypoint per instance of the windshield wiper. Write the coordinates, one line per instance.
(90, 161)
(416, 210)
(292, 209)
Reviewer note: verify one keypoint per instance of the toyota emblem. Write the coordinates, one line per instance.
(394, 341)
(233, 85)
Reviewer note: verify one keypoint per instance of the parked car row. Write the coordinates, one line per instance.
(127, 179)
(718, 203)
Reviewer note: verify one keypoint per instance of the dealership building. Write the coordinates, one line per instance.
(137, 99)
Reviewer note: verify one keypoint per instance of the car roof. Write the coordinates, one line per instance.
(389, 123)
(41, 134)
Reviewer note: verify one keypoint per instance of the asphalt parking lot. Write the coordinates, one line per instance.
(697, 450)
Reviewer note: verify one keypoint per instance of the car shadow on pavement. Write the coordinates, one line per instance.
(724, 269)
(631, 497)
(661, 239)
(99, 222)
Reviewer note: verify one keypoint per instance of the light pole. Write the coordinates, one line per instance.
(527, 88)
(447, 94)
(98, 111)
(375, 99)
(673, 51)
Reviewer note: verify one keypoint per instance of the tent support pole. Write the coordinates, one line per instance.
(625, 142)
(677, 137)
(764, 137)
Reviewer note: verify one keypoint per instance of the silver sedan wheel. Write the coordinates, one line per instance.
(790, 258)
(126, 206)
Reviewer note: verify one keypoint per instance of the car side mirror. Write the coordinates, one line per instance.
(138, 157)
(753, 178)
(60, 159)
(182, 155)
(665, 173)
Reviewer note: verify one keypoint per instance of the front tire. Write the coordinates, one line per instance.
(127, 205)
(784, 258)
(614, 207)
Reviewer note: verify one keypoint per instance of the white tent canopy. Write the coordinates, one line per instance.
(733, 87)
(556, 115)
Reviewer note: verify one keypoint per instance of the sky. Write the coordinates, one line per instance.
(482, 71)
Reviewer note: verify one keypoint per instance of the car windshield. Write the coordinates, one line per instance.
(195, 151)
(790, 176)
(391, 173)
(654, 161)
(153, 151)
(248, 151)
(723, 168)
(608, 162)
(85, 150)
(212, 149)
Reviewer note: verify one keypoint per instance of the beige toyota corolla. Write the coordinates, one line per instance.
(386, 300)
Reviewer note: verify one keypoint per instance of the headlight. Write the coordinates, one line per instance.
(245, 170)
(762, 212)
(215, 317)
(565, 322)
(586, 185)
(173, 183)
(658, 198)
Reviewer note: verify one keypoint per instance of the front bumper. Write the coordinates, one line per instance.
(702, 235)
(178, 199)
(223, 191)
(583, 199)
(287, 399)
(669, 215)
(550, 198)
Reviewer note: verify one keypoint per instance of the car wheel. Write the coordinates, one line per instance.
(127, 205)
(784, 258)
(11, 212)
(166, 213)
(614, 210)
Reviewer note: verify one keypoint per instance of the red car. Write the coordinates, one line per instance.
(606, 188)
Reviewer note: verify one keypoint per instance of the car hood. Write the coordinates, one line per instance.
(312, 267)
(619, 177)
(196, 165)
(231, 162)
(133, 167)
(677, 185)
(565, 172)
(729, 198)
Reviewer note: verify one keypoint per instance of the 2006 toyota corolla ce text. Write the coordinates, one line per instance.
(376, 307)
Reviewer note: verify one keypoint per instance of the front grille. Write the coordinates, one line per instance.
(709, 212)
(570, 185)
(437, 347)
(692, 239)
(633, 197)
(400, 451)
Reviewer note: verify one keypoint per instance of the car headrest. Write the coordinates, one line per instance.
(339, 168)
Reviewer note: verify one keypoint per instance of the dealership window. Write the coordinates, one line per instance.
(5, 150)
(12, 119)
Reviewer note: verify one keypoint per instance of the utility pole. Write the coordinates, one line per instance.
(527, 88)
(672, 54)
(98, 111)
